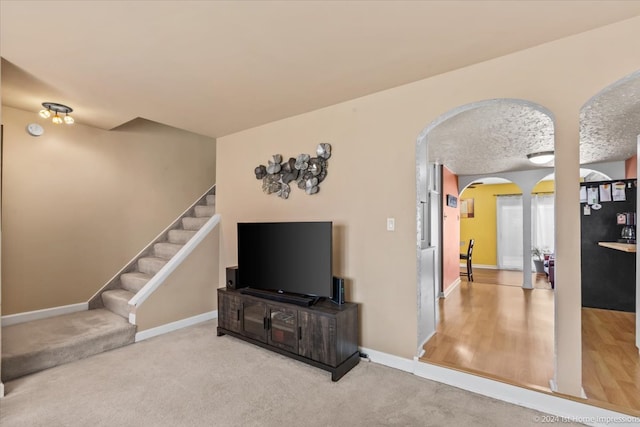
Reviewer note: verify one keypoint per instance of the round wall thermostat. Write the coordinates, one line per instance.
(35, 129)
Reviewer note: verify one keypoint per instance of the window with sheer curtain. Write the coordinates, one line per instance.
(542, 222)
(509, 228)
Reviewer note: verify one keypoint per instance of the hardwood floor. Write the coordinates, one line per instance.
(500, 331)
(610, 359)
(509, 278)
(506, 333)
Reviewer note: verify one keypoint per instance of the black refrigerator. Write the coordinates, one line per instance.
(608, 275)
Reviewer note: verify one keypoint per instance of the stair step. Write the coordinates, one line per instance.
(40, 344)
(117, 300)
(151, 265)
(205, 210)
(180, 236)
(211, 199)
(191, 223)
(133, 282)
(166, 250)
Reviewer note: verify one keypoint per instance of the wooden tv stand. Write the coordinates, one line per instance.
(324, 335)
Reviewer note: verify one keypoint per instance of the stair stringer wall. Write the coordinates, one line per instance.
(190, 290)
(114, 283)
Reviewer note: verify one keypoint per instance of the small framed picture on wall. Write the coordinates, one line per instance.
(466, 208)
(452, 201)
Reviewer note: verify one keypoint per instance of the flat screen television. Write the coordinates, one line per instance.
(289, 257)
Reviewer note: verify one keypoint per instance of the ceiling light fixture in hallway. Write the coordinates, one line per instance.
(57, 108)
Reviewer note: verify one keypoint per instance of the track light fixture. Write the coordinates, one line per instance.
(57, 110)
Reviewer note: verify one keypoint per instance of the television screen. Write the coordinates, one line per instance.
(290, 257)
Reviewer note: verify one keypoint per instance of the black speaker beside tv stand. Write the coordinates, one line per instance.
(324, 335)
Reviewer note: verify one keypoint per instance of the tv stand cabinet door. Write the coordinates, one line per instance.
(254, 319)
(230, 309)
(317, 337)
(283, 328)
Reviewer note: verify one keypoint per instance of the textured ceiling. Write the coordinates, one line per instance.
(610, 122)
(218, 67)
(492, 136)
(495, 136)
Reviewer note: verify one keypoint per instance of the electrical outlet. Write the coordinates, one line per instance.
(391, 224)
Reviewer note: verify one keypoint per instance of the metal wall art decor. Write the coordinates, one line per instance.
(307, 172)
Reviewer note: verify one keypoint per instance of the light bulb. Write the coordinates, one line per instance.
(45, 114)
(57, 119)
(68, 119)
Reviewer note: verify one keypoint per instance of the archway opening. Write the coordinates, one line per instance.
(609, 133)
(474, 142)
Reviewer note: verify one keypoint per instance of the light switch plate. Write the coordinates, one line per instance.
(391, 224)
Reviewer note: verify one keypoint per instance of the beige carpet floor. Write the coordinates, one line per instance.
(193, 378)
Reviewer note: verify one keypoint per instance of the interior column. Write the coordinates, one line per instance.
(526, 238)
(568, 281)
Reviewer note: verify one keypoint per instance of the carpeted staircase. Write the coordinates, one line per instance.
(117, 300)
(33, 346)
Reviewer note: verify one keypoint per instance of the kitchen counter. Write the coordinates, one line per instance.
(624, 247)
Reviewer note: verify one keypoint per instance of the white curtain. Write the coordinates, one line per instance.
(509, 227)
(542, 222)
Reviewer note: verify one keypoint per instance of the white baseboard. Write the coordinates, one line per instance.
(554, 387)
(487, 266)
(420, 350)
(483, 266)
(450, 289)
(27, 316)
(174, 326)
(390, 360)
(568, 410)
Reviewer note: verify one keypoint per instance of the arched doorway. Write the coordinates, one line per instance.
(609, 132)
(487, 138)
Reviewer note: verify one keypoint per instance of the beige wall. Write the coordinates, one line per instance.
(80, 202)
(189, 291)
(372, 174)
